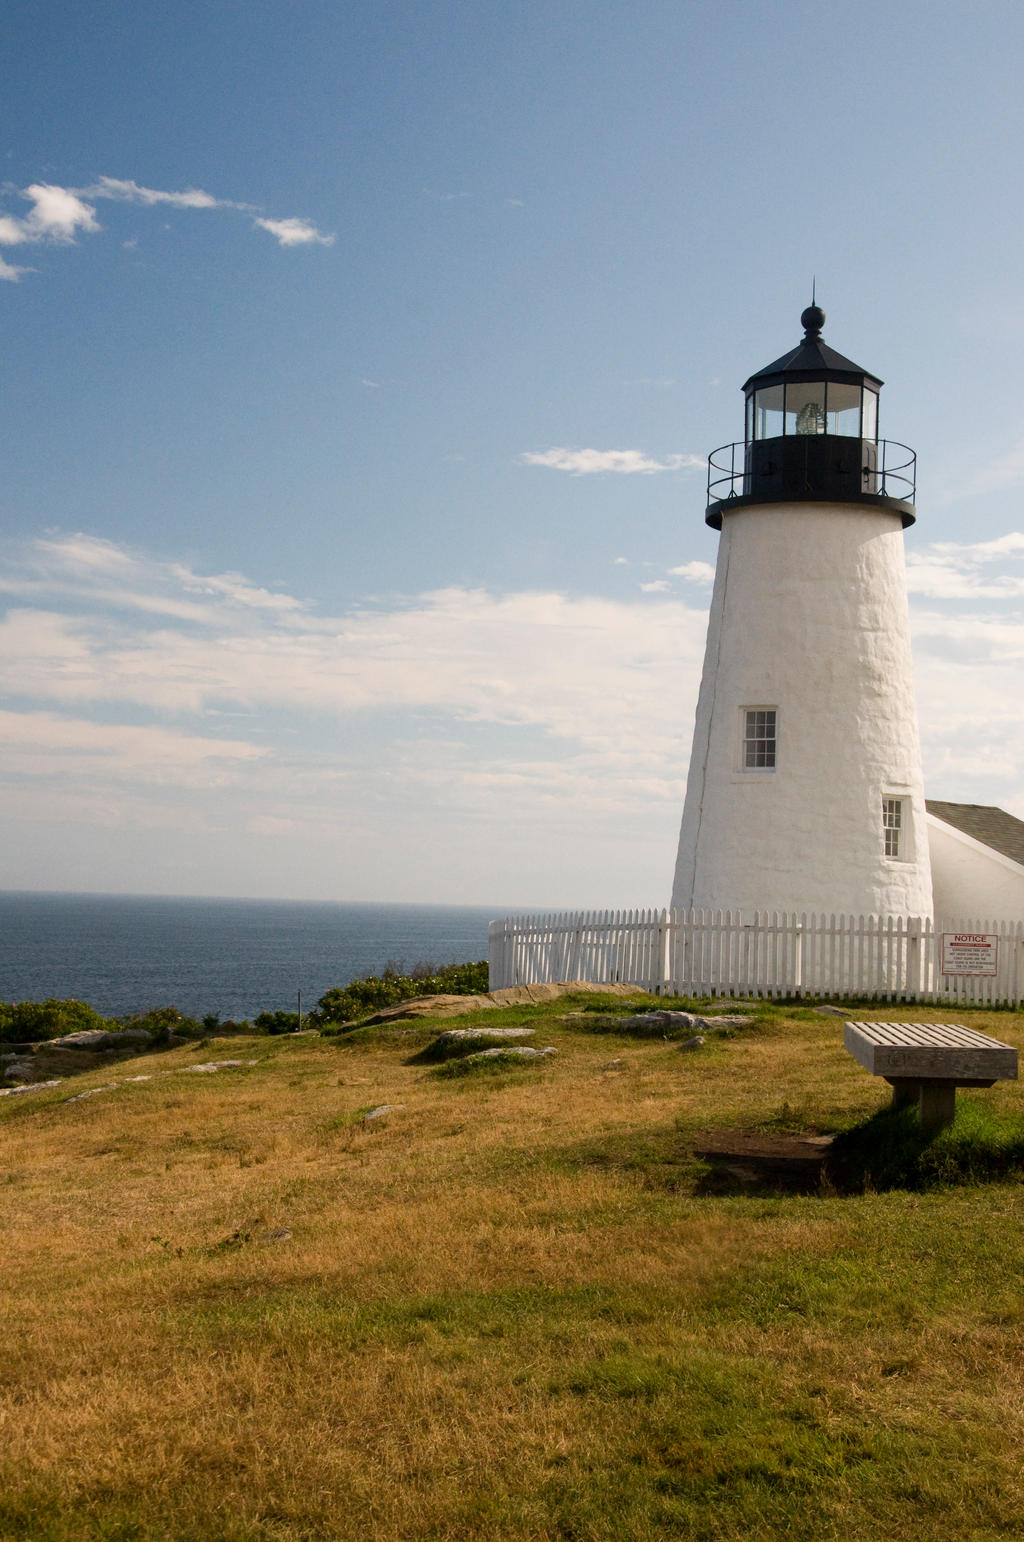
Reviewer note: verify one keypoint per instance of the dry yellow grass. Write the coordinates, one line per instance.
(235, 1311)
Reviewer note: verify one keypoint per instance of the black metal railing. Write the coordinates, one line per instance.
(893, 474)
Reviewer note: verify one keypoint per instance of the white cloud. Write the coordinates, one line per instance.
(131, 192)
(11, 272)
(460, 711)
(629, 462)
(59, 214)
(224, 643)
(656, 586)
(42, 744)
(951, 571)
(295, 232)
(694, 572)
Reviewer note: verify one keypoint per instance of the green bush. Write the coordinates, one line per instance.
(277, 1022)
(25, 1021)
(349, 1003)
(161, 1023)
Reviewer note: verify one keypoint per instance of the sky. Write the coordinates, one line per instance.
(359, 368)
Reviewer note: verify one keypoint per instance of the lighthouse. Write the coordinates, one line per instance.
(804, 791)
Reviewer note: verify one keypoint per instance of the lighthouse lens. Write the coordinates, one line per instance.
(805, 407)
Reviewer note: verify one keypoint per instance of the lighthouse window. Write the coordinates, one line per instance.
(768, 413)
(844, 410)
(805, 407)
(892, 826)
(759, 739)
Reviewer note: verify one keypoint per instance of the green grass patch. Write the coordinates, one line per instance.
(889, 1151)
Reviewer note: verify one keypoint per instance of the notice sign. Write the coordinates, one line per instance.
(970, 953)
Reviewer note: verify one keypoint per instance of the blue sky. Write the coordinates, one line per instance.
(359, 363)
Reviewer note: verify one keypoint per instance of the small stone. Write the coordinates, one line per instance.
(694, 1043)
(215, 1065)
(612, 1065)
(381, 1112)
(9, 1092)
(19, 1071)
(90, 1092)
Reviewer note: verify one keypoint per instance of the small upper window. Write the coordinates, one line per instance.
(759, 738)
(892, 826)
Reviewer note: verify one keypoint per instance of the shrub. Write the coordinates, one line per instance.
(161, 1023)
(349, 1003)
(24, 1021)
(277, 1022)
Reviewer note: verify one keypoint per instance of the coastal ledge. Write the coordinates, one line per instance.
(509, 996)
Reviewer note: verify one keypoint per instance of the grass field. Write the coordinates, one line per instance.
(515, 1307)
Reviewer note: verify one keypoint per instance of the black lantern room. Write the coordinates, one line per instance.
(812, 436)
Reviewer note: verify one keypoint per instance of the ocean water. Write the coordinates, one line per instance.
(127, 953)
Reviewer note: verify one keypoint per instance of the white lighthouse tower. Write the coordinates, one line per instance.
(804, 791)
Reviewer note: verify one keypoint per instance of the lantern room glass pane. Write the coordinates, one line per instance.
(768, 413)
(844, 410)
(805, 407)
(870, 429)
(749, 420)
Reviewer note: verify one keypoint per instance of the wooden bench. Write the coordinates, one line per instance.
(926, 1062)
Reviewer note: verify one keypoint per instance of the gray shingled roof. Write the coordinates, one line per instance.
(991, 826)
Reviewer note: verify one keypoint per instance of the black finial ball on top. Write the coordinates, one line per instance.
(812, 320)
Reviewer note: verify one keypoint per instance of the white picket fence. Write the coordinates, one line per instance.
(718, 953)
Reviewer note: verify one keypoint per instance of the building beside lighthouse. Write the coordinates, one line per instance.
(805, 790)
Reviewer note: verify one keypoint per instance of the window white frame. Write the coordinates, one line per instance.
(897, 830)
(758, 746)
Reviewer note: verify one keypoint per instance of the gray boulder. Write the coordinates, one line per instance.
(658, 1021)
(694, 1043)
(19, 1071)
(455, 1037)
(520, 1051)
(103, 1038)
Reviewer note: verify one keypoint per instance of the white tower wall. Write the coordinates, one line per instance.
(809, 617)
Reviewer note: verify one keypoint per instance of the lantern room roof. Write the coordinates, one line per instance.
(811, 359)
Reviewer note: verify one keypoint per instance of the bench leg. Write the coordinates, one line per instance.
(904, 1091)
(937, 1106)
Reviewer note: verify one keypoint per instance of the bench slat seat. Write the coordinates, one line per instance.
(947, 1051)
(926, 1062)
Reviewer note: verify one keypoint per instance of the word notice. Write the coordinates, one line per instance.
(970, 953)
